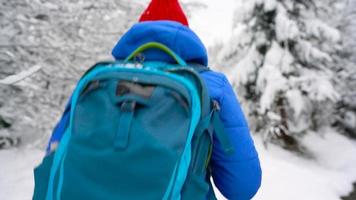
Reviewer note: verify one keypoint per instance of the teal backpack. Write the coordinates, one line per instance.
(137, 130)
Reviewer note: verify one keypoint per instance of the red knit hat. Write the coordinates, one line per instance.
(164, 10)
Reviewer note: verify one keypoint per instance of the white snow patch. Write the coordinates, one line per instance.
(285, 27)
(318, 85)
(270, 81)
(20, 76)
(16, 174)
(327, 177)
(320, 29)
(280, 58)
(247, 68)
(296, 101)
(270, 5)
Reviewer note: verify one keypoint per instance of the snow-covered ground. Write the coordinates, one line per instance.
(285, 175)
(16, 173)
(327, 176)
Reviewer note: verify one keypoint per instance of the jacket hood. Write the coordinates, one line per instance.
(181, 39)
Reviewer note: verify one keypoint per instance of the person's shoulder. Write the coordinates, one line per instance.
(215, 78)
(215, 82)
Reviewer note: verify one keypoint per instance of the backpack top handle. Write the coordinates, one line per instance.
(156, 45)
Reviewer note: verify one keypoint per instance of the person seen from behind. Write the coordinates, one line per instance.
(237, 176)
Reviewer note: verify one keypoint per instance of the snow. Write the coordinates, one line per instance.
(310, 53)
(270, 5)
(296, 101)
(350, 36)
(318, 85)
(280, 58)
(285, 28)
(270, 81)
(320, 29)
(20, 76)
(247, 67)
(350, 120)
(326, 176)
(16, 174)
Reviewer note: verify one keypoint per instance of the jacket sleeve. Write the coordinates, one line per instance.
(237, 176)
(59, 129)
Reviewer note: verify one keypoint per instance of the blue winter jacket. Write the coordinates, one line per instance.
(237, 176)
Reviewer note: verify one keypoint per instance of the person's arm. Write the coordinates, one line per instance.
(59, 130)
(237, 176)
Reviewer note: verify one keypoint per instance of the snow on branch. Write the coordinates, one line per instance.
(13, 79)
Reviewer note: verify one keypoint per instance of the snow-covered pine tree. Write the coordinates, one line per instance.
(63, 38)
(350, 28)
(347, 105)
(282, 60)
